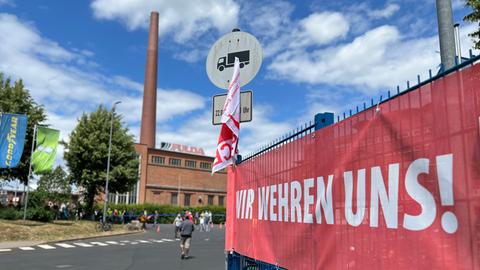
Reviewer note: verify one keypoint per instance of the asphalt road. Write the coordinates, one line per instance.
(148, 250)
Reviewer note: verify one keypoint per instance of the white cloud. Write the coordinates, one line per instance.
(385, 13)
(323, 28)
(184, 19)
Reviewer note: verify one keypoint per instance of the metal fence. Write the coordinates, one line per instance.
(236, 261)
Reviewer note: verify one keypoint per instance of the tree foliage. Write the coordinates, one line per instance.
(474, 16)
(86, 155)
(55, 186)
(14, 98)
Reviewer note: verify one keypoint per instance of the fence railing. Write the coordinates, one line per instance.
(236, 261)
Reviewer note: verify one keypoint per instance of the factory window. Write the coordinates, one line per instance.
(205, 165)
(186, 200)
(221, 200)
(175, 162)
(158, 160)
(174, 199)
(190, 163)
(210, 199)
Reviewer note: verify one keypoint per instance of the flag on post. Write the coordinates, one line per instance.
(45, 150)
(228, 138)
(13, 128)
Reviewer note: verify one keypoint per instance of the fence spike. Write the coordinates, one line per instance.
(408, 84)
(381, 98)
(338, 118)
(398, 89)
(344, 115)
(430, 73)
(350, 112)
(388, 93)
(470, 53)
(364, 105)
(371, 100)
(418, 79)
(357, 108)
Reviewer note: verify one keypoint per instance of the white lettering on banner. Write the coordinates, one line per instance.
(308, 200)
(283, 202)
(354, 219)
(322, 202)
(388, 202)
(421, 195)
(303, 201)
(273, 202)
(243, 203)
(250, 199)
(238, 198)
(296, 196)
(263, 202)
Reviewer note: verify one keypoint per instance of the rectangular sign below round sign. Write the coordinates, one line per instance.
(245, 107)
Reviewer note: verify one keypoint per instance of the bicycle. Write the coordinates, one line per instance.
(103, 226)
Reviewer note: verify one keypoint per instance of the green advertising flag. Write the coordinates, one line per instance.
(45, 150)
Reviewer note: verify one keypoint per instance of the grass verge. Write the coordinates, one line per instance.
(18, 230)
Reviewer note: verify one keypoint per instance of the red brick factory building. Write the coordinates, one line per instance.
(173, 173)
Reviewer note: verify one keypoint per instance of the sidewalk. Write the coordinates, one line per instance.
(15, 244)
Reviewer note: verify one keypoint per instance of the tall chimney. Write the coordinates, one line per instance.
(149, 110)
(445, 33)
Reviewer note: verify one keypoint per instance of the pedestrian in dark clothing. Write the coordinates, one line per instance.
(186, 230)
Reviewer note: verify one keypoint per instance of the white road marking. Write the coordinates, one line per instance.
(125, 241)
(5, 249)
(144, 241)
(83, 244)
(26, 248)
(99, 244)
(112, 242)
(65, 245)
(46, 247)
(134, 243)
(168, 240)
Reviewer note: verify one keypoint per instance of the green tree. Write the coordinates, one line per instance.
(86, 155)
(474, 16)
(14, 98)
(55, 186)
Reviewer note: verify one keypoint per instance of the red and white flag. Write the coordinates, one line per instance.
(228, 139)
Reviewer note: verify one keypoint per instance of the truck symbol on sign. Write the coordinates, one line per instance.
(229, 60)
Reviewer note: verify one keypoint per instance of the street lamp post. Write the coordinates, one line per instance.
(108, 162)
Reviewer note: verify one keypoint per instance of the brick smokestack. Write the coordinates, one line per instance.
(149, 110)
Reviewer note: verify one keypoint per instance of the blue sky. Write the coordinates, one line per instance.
(318, 56)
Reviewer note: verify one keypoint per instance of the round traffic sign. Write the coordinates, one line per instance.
(222, 55)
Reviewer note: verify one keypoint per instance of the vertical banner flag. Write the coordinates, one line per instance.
(12, 139)
(228, 139)
(46, 149)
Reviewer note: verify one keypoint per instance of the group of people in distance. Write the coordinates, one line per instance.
(184, 227)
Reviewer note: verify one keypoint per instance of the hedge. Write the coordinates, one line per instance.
(36, 213)
(167, 212)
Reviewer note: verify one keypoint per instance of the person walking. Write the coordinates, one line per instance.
(177, 222)
(208, 216)
(202, 221)
(186, 230)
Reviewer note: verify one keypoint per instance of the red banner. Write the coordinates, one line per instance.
(393, 187)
